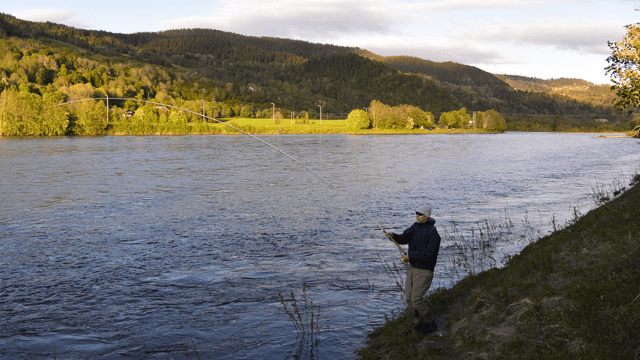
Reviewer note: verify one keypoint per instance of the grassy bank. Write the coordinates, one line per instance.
(574, 294)
(261, 127)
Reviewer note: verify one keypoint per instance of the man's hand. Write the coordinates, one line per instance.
(405, 259)
(390, 236)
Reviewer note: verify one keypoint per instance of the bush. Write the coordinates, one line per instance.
(358, 119)
(493, 121)
(302, 118)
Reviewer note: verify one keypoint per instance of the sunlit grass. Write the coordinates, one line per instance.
(256, 126)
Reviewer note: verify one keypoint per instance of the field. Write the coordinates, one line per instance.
(266, 126)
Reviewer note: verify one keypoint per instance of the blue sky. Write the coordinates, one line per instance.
(538, 38)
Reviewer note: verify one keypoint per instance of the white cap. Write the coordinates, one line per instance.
(424, 210)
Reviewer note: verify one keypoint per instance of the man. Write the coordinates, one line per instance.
(424, 245)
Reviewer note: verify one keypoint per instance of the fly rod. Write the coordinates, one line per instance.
(262, 141)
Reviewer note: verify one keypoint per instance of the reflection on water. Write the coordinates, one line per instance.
(119, 247)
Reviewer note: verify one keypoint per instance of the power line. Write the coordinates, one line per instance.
(550, 115)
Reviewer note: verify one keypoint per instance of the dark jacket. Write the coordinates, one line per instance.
(424, 244)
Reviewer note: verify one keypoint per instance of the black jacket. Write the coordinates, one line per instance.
(424, 244)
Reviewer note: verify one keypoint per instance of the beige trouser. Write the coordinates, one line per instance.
(418, 283)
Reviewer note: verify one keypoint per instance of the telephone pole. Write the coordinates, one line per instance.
(107, 108)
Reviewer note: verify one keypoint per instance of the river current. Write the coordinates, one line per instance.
(137, 247)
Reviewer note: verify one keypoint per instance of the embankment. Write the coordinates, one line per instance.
(574, 294)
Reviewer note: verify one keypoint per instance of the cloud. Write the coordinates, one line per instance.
(464, 31)
(328, 19)
(458, 5)
(442, 50)
(66, 17)
(310, 20)
(582, 35)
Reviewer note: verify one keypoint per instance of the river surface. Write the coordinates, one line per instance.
(137, 247)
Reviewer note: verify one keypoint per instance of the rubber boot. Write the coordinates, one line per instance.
(427, 328)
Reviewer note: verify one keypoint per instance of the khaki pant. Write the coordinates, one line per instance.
(418, 283)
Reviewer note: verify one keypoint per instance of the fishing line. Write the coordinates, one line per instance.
(262, 141)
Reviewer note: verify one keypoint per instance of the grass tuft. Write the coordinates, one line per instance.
(305, 320)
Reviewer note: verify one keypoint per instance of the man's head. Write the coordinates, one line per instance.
(423, 213)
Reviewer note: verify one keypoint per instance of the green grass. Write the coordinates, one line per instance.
(265, 126)
(574, 294)
(260, 126)
(134, 126)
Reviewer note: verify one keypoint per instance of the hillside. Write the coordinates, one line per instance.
(577, 89)
(447, 73)
(514, 94)
(570, 295)
(222, 66)
(244, 74)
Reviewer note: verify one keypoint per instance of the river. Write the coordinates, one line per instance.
(137, 247)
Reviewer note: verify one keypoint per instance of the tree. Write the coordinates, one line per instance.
(421, 119)
(465, 118)
(88, 118)
(358, 119)
(302, 117)
(376, 110)
(494, 121)
(623, 68)
(247, 111)
(455, 118)
(446, 118)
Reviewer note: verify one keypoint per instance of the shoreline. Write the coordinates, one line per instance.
(364, 132)
(570, 294)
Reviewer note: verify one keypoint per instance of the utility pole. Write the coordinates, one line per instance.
(474, 121)
(375, 113)
(107, 108)
(202, 109)
(320, 115)
(4, 108)
(273, 112)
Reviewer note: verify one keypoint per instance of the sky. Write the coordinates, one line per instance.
(536, 38)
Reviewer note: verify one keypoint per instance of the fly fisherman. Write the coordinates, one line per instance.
(424, 245)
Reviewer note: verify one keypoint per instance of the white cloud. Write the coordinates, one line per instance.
(582, 35)
(491, 32)
(67, 17)
(438, 49)
(310, 20)
(369, 24)
(328, 19)
(458, 5)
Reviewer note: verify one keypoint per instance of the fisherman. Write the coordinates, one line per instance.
(424, 245)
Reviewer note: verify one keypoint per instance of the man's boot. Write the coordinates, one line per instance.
(427, 328)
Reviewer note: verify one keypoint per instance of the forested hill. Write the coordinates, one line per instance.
(577, 89)
(297, 47)
(476, 88)
(245, 71)
(108, 43)
(45, 58)
(446, 72)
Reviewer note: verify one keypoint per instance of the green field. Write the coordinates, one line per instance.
(266, 126)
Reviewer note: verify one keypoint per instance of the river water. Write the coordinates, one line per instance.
(137, 247)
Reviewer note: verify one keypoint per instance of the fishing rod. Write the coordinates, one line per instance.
(262, 141)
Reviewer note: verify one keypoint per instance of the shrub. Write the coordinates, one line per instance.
(493, 121)
(358, 119)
